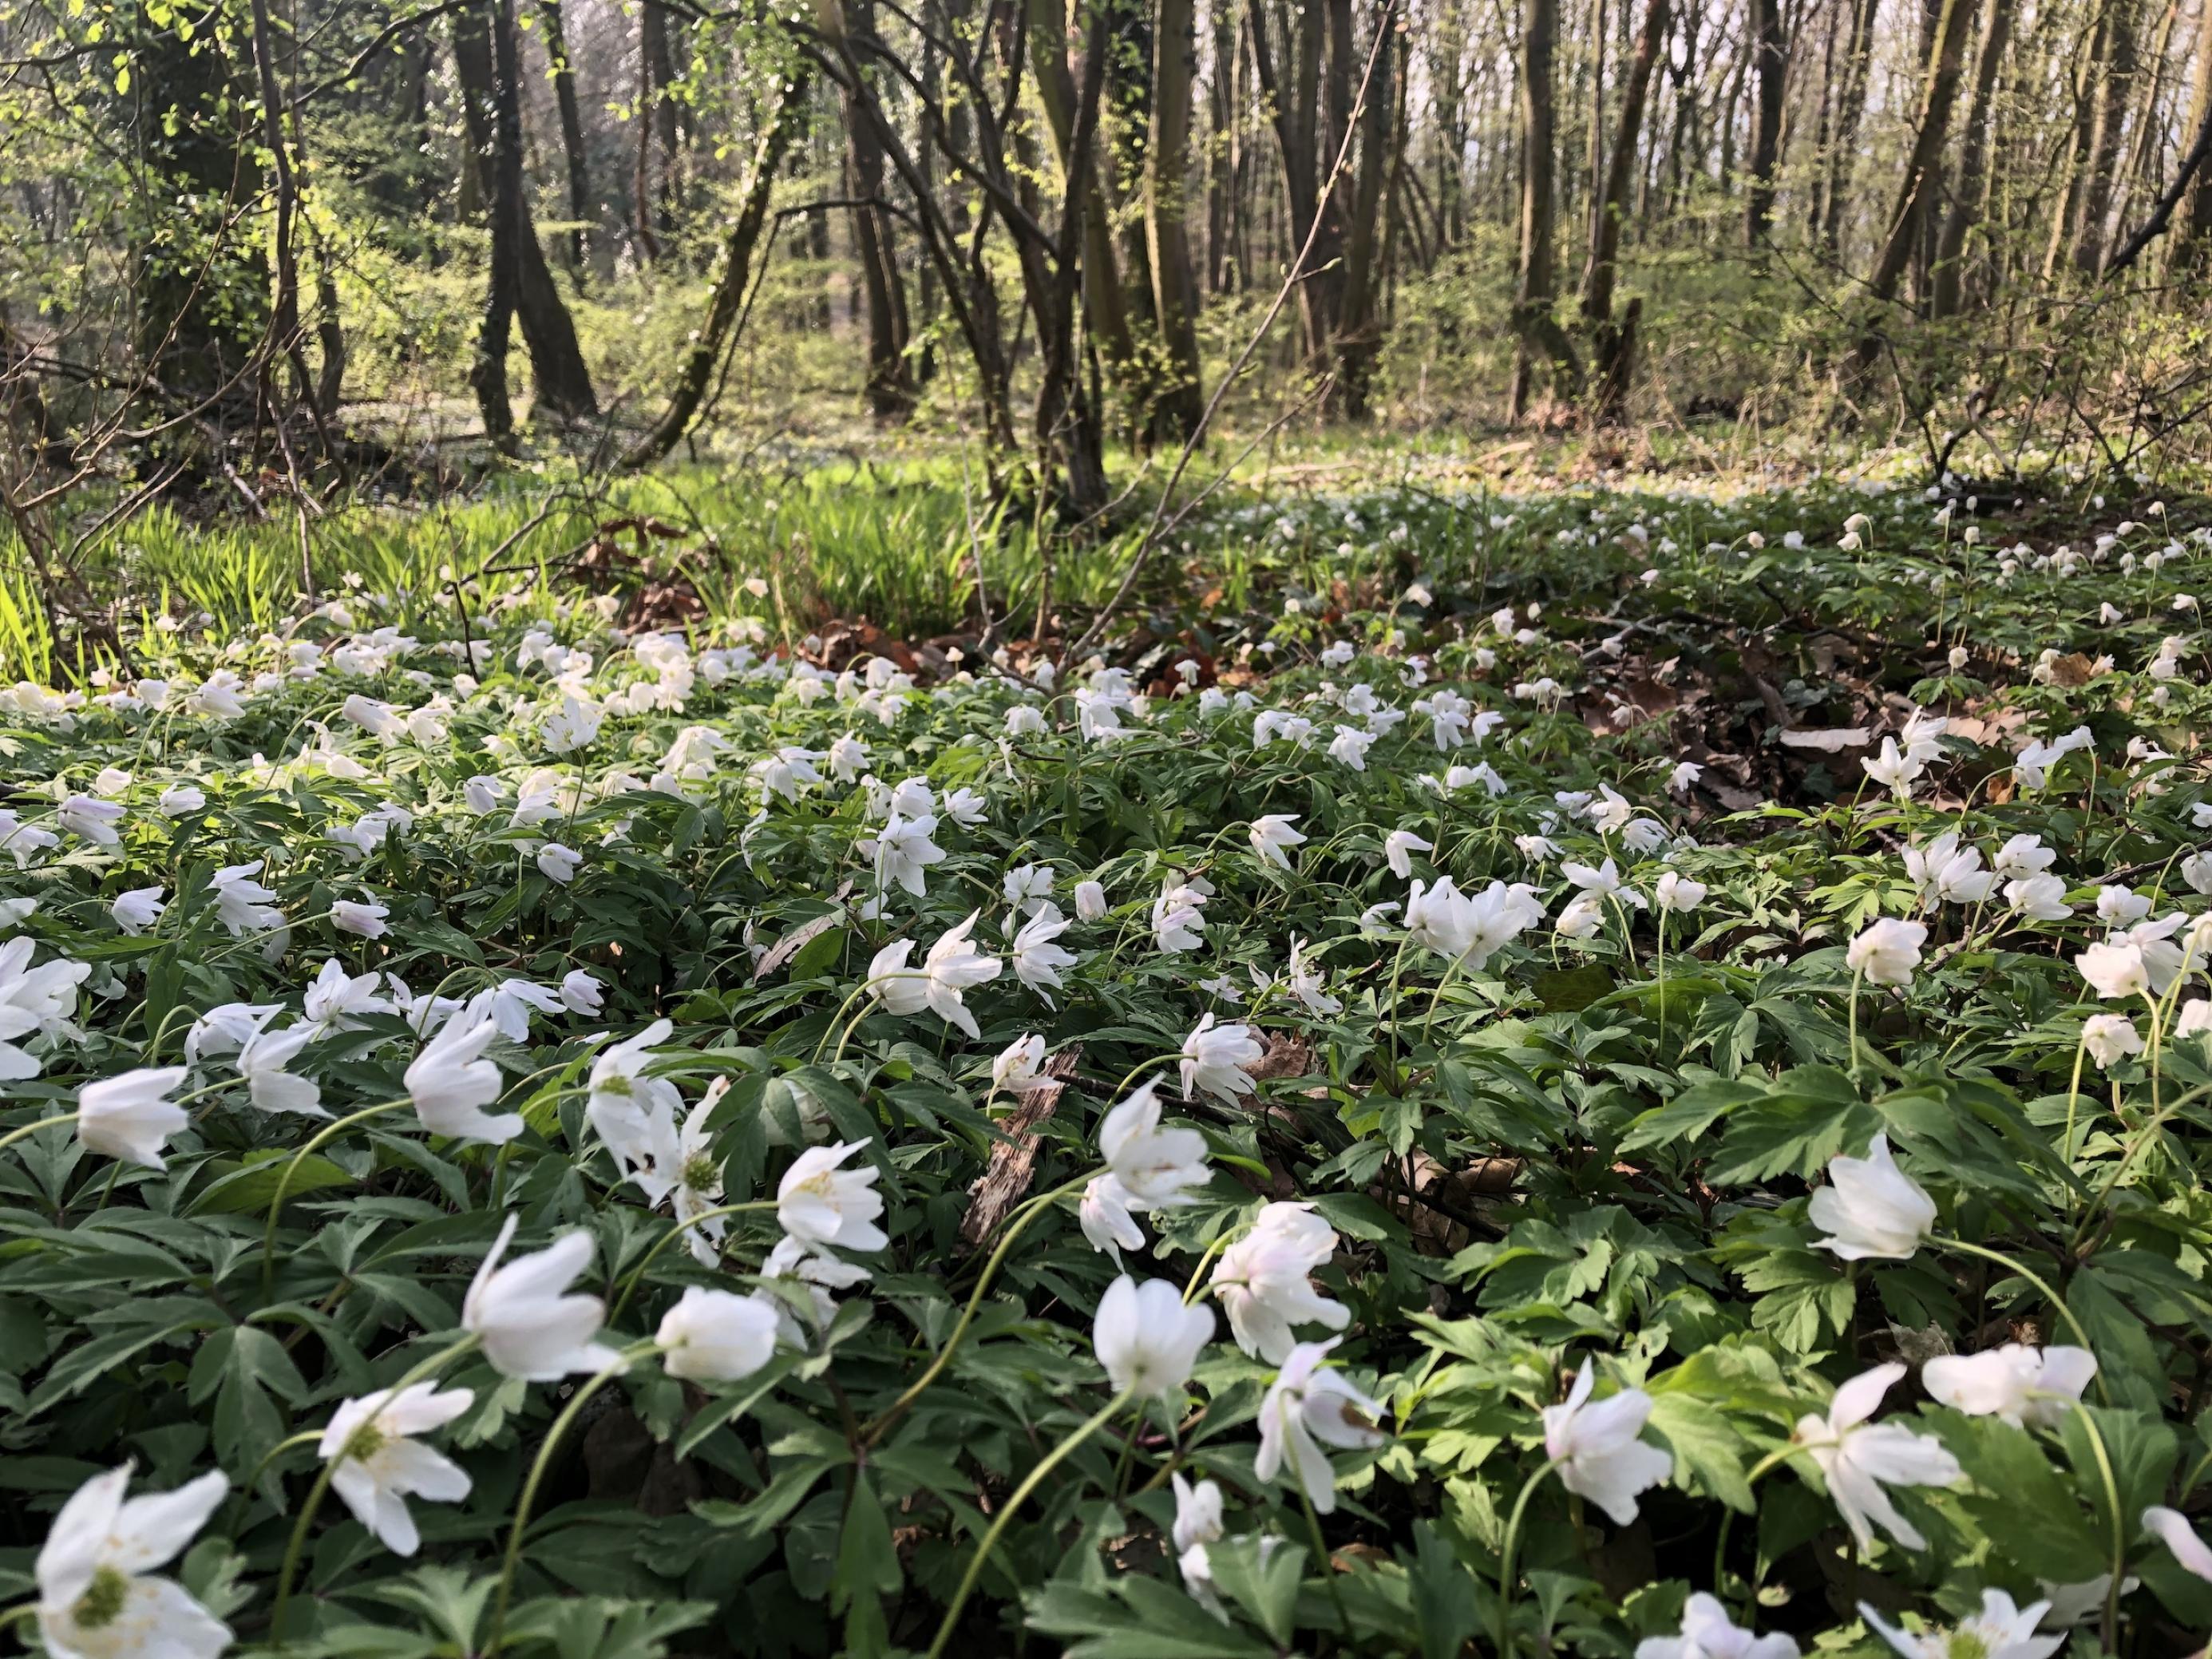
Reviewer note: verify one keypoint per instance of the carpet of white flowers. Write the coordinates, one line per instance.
(1633, 1081)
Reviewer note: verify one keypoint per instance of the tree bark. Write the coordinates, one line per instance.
(1538, 329)
(1359, 337)
(1966, 200)
(2193, 235)
(1613, 348)
(572, 136)
(520, 287)
(1939, 93)
(1842, 148)
(1770, 63)
(890, 379)
(732, 278)
(1167, 160)
(2087, 252)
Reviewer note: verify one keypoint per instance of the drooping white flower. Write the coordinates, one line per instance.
(715, 1336)
(2023, 1385)
(365, 921)
(558, 864)
(1147, 1338)
(1272, 837)
(632, 1113)
(379, 1465)
(1596, 1447)
(130, 1115)
(1708, 1633)
(2110, 1038)
(1090, 901)
(1398, 848)
(451, 1083)
(2001, 1629)
(137, 908)
(263, 1059)
(2172, 1528)
(582, 994)
(98, 1595)
(1870, 1209)
(530, 1326)
(1262, 1280)
(1198, 1522)
(1154, 1167)
(819, 1202)
(1308, 1407)
(1860, 1460)
(1104, 1215)
(2115, 970)
(1888, 952)
(1678, 893)
(1213, 1059)
(1037, 960)
(1018, 1063)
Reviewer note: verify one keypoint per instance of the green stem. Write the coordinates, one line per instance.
(1035, 1207)
(2097, 1449)
(2074, 1099)
(306, 1438)
(1773, 1460)
(1857, 976)
(967, 1314)
(1323, 1561)
(1045, 1466)
(299, 1541)
(2049, 1295)
(1505, 1579)
(292, 1169)
(637, 1274)
(542, 1461)
(29, 1129)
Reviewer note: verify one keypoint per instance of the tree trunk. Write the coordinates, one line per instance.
(1613, 347)
(1915, 195)
(890, 379)
(656, 187)
(1850, 106)
(2114, 92)
(1770, 63)
(1167, 241)
(2193, 235)
(1966, 200)
(571, 137)
(1105, 306)
(1358, 331)
(520, 287)
(200, 283)
(732, 277)
(1537, 328)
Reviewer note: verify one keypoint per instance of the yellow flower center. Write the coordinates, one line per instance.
(104, 1599)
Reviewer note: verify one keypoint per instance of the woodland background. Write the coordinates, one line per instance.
(261, 256)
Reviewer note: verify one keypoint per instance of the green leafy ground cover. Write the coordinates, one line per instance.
(555, 1137)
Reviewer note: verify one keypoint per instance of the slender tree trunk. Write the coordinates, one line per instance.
(1966, 200)
(2114, 94)
(1614, 348)
(2193, 234)
(732, 278)
(503, 193)
(572, 136)
(520, 287)
(1850, 106)
(1167, 242)
(1539, 331)
(1914, 197)
(1770, 63)
(890, 380)
(656, 186)
(1359, 332)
